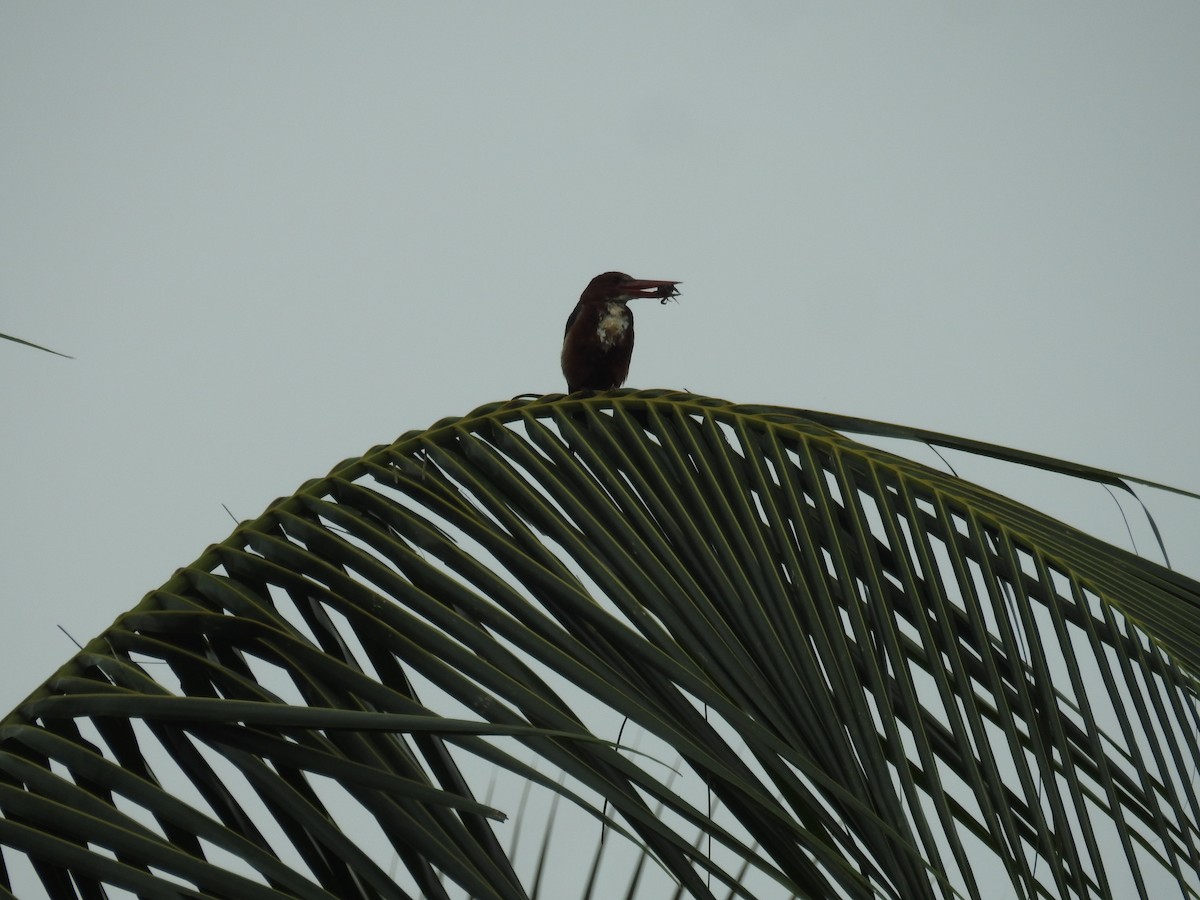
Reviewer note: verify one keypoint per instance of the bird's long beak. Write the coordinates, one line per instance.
(648, 287)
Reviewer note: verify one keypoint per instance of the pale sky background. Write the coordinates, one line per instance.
(274, 235)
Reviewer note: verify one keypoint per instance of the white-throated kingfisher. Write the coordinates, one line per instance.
(598, 340)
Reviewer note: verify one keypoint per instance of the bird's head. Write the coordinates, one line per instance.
(621, 287)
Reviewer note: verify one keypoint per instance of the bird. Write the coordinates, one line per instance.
(598, 340)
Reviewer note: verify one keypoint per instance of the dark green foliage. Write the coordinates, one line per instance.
(870, 678)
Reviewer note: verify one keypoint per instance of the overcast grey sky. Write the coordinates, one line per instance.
(275, 235)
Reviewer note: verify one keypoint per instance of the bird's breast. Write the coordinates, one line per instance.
(613, 324)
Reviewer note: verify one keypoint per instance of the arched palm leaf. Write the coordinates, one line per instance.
(851, 676)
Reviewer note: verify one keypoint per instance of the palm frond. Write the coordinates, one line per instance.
(853, 675)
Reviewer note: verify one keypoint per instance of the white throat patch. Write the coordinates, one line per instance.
(613, 324)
